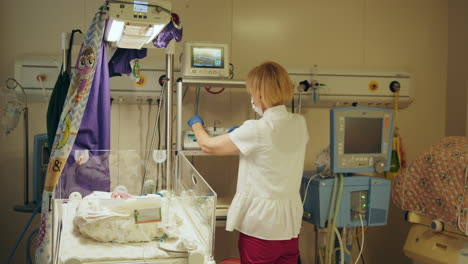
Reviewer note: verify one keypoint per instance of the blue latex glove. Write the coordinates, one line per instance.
(195, 119)
(232, 129)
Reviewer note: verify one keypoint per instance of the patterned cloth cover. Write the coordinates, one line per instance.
(435, 184)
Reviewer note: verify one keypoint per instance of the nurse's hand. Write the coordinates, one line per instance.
(195, 119)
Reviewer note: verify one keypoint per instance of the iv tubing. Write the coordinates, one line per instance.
(299, 107)
(145, 174)
(337, 207)
(362, 244)
(330, 212)
(340, 242)
(307, 189)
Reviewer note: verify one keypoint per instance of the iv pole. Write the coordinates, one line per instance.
(26, 207)
(170, 50)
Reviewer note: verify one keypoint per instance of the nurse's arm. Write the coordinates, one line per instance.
(220, 145)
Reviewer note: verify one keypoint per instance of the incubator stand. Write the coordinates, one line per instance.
(187, 211)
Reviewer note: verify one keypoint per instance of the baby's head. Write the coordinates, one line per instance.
(269, 84)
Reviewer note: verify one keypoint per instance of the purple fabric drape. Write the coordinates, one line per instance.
(92, 172)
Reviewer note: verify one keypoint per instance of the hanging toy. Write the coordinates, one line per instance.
(136, 75)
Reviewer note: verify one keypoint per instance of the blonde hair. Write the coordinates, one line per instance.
(271, 82)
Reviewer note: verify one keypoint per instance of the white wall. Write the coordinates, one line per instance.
(410, 35)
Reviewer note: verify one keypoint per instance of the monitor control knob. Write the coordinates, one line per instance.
(379, 166)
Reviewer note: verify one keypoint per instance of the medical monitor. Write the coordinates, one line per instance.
(205, 60)
(361, 139)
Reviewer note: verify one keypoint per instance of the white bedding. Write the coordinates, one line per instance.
(74, 246)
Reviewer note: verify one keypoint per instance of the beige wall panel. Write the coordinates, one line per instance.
(33, 27)
(299, 34)
(457, 91)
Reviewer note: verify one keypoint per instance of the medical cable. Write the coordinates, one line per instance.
(320, 256)
(140, 122)
(159, 126)
(330, 210)
(208, 89)
(337, 207)
(345, 230)
(12, 254)
(340, 242)
(148, 128)
(362, 245)
(397, 99)
(359, 246)
(145, 174)
(299, 106)
(174, 116)
(28, 245)
(197, 100)
(307, 188)
(118, 136)
(231, 71)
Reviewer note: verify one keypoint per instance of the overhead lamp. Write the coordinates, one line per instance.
(133, 24)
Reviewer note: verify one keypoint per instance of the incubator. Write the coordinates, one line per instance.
(100, 216)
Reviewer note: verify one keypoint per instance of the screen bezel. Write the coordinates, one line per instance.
(357, 163)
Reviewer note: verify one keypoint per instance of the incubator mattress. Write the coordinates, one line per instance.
(75, 247)
(435, 184)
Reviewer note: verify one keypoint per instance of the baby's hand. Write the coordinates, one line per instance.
(120, 194)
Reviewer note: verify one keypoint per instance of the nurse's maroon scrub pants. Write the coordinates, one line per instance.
(258, 251)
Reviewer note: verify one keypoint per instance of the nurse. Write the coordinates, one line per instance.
(267, 208)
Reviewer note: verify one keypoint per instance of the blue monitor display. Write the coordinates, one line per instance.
(140, 6)
(207, 57)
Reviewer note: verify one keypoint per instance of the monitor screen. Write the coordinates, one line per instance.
(207, 57)
(140, 6)
(362, 135)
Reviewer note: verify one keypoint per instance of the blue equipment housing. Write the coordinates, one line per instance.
(360, 141)
(40, 163)
(362, 195)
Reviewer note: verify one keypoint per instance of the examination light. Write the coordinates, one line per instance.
(133, 24)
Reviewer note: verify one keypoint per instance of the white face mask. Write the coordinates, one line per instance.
(257, 109)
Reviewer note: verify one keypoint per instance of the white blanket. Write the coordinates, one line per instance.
(112, 220)
(74, 246)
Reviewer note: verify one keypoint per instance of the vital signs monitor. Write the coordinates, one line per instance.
(361, 139)
(205, 60)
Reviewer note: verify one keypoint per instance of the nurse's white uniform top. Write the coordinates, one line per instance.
(267, 204)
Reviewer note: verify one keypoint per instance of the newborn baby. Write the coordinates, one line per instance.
(113, 217)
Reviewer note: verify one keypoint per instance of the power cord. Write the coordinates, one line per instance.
(28, 245)
(307, 188)
(12, 254)
(362, 245)
(359, 246)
